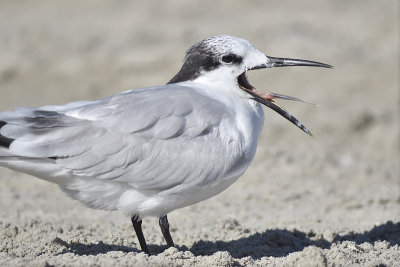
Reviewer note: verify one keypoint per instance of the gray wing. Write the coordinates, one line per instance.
(153, 138)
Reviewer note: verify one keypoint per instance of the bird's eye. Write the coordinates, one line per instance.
(227, 59)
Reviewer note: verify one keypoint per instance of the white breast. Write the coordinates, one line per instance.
(240, 133)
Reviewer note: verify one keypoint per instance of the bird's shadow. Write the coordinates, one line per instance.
(275, 242)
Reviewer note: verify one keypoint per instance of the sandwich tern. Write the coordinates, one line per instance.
(152, 150)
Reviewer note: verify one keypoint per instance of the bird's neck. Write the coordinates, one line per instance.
(221, 86)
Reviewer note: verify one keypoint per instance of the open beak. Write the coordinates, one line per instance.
(267, 99)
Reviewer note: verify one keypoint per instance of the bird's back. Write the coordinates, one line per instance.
(117, 152)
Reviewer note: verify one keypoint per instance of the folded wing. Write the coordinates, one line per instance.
(151, 139)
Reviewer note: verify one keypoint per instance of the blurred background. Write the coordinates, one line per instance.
(54, 52)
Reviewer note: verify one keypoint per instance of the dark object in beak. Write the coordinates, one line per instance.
(266, 99)
(281, 111)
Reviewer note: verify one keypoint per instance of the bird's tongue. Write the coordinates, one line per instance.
(268, 100)
(269, 96)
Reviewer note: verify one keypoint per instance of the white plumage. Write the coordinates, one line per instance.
(134, 151)
(152, 150)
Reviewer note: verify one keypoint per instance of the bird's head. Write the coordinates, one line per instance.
(227, 59)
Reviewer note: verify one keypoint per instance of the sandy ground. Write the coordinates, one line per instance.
(332, 200)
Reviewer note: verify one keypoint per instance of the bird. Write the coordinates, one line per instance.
(150, 151)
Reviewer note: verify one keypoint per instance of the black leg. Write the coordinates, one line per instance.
(164, 225)
(137, 225)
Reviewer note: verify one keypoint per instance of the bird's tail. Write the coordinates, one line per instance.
(34, 166)
(5, 142)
